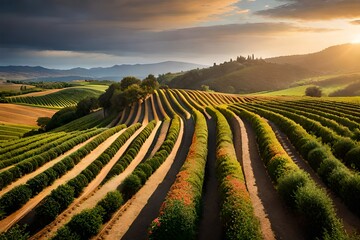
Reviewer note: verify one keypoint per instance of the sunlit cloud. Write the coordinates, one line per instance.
(314, 9)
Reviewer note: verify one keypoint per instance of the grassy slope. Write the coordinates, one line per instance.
(328, 84)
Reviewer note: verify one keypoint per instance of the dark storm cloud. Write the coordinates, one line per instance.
(315, 9)
(50, 34)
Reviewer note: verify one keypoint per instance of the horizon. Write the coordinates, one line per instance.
(102, 34)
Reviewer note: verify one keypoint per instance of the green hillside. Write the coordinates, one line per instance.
(242, 76)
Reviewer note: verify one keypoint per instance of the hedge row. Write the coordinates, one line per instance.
(48, 209)
(328, 108)
(145, 169)
(352, 125)
(186, 99)
(31, 164)
(178, 106)
(179, 214)
(294, 185)
(31, 146)
(13, 200)
(131, 152)
(335, 107)
(26, 153)
(166, 104)
(87, 223)
(237, 213)
(332, 124)
(22, 142)
(343, 148)
(344, 182)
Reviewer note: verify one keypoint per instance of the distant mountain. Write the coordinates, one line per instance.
(336, 59)
(116, 72)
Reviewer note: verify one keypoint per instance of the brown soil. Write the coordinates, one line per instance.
(350, 220)
(122, 220)
(153, 109)
(16, 216)
(241, 143)
(139, 112)
(210, 225)
(160, 106)
(127, 120)
(269, 205)
(19, 114)
(159, 141)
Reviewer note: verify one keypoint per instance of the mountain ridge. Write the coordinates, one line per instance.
(115, 72)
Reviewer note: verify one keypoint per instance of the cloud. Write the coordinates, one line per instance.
(129, 13)
(314, 9)
(355, 22)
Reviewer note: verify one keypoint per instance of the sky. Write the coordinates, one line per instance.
(92, 33)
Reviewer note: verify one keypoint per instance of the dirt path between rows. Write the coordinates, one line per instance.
(144, 119)
(350, 220)
(16, 216)
(161, 138)
(155, 110)
(122, 220)
(241, 143)
(140, 112)
(44, 167)
(91, 195)
(138, 229)
(160, 107)
(268, 204)
(131, 113)
(210, 227)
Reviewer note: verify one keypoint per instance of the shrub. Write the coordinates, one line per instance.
(289, 184)
(111, 203)
(64, 195)
(353, 157)
(130, 186)
(65, 233)
(87, 223)
(316, 156)
(48, 210)
(15, 198)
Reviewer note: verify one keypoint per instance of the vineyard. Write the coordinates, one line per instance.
(64, 98)
(186, 164)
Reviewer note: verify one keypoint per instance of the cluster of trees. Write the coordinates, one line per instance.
(68, 114)
(116, 98)
(129, 90)
(314, 91)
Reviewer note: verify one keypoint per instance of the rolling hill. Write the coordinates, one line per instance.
(241, 77)
(336, 59)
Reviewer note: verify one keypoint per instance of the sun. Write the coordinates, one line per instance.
(356, 39)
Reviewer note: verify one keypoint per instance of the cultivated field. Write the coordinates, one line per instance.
(26, 115)
(57, 98)
(190, 165)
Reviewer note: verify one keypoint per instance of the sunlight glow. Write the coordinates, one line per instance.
(356, 39)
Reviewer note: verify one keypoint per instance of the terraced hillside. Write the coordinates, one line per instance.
(189, 165)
